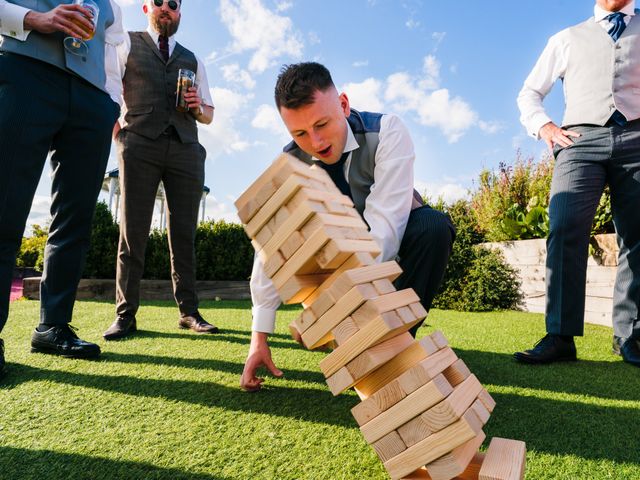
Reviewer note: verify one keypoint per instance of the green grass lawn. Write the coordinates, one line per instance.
(166, 404)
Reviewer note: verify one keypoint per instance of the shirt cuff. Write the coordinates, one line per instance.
(536, 123)
(264, 320)
(12, 23)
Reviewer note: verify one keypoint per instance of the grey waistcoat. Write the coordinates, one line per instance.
(49, 48)
(366, 130)
(150, 90)
(602, 76)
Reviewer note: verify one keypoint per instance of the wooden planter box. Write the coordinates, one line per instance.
(528, 257)
(98, 289)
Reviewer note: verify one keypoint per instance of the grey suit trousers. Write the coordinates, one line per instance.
(600, 156)
(143, 163)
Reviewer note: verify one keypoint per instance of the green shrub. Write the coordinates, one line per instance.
(157, 264)
(223, 251)
(476, 279)
(101, 256)
(31, 252)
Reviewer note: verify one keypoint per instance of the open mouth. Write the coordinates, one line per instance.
(325, 153)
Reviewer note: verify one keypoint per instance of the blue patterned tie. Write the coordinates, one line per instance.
(618, 26)
(617, 20)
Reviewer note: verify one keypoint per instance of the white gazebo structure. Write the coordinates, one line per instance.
(111, 185)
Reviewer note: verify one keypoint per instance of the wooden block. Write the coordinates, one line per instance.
(425, 370)
(470, 473)
(395, 367)
(389, 446)
(382, 304)
(406, 314)
(487, 400)
(356, 260)
(291, 245)
(283, 162)
(439, 339)
(433, 447)
(281, 217)
(378, 355)
(384, 286)
(331, 319)
(454, 406)
(382, 327)
(254, 203)
(341, 221)
(340, 381)
(455, 462)
(382, 400)
(323, 303)
(262, 237)
(294, 331)
(504, 460)
(283, 194)
(365, 274)
(411, 406)
(414, 431)
(299, 287)
(273, 264)
(344, 330)
(481, 411)
(336, 252)
(457, 373)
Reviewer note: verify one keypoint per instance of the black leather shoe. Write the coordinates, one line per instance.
(551, 348)
(62, 340)
(628, 348)
(196, 323)
(2, 364)
(122, 327)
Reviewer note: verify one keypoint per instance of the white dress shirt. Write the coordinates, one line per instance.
(551, 66)
(12, 25)
(202, 83)
(387, 210)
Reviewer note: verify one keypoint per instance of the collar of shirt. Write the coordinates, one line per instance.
(350, 146)
(154, 36)
(600, 13)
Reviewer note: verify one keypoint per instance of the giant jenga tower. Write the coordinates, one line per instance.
(422, 410)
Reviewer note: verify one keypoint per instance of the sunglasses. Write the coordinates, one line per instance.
(173, 4)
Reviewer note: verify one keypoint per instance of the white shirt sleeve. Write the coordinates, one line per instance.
(551, 66)
(265, 299)
(12, 20)
(388, 206)
(115, 37)
(203, 84)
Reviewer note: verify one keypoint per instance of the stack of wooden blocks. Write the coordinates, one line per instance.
(422, 410)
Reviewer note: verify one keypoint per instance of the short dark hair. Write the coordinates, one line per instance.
(298, 83)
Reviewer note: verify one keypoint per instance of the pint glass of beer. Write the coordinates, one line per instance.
(77, 45)
(186, 80)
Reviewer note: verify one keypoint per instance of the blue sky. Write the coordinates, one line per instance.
(451, 70)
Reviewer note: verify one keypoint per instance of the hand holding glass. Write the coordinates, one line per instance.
(186, 80)
(77, 46)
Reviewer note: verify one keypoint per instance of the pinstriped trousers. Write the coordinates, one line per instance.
(601, 155)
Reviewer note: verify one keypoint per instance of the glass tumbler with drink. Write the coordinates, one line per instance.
(186, 80)
(77, 46)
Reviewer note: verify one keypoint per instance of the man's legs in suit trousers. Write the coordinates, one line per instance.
(141, 163)
(183, 181)
(424, 254)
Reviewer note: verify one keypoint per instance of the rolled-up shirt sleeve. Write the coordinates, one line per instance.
(551, 66)
(202, 82)
(265, 299)
(12, 20)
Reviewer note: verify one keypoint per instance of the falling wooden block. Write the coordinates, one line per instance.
(389, 446)
(378, 355)
(395, 367)
(457, 373)
(414, 431)
(425, 370)
(377, 403)
(291, 244)
(384, 303)
(384, 286)
(487, 400)
(344, 330)
(470, 473)
(336, 252)
(434, 446)
(413, 405)
(365, 274)
(253, 204)
(504, 460)
(456, 461)
(299, 287)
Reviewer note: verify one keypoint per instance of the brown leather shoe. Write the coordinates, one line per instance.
(123, 326)
(196, 323)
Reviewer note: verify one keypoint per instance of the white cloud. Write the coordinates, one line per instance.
(283, 6)
(491, 127)
(365, 95)
(360, 63)
(39, 213)
(412, 23)
(448, 191)
(438, 37)
(222, 135)
(267, 118)
(314, 38)
(218, 210)
(255, 28)
(431, 70)
(232, 73)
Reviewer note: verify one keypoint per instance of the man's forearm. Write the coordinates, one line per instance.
(206, 116)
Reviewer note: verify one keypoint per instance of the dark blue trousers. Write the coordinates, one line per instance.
(424, 254)
(45, 109)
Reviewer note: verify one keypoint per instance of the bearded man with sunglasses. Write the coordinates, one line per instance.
(158, 143)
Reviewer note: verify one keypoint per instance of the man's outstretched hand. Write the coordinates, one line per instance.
(259, 356)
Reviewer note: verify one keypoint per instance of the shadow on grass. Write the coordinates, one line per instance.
(614, 380)
(38, 464)
(210, 364)
(226, 335)
(311, 405)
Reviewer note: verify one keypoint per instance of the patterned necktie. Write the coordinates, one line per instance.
(336, 172)
(618, 25)
(163, 46)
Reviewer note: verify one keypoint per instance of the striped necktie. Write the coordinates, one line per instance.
(163, 46)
